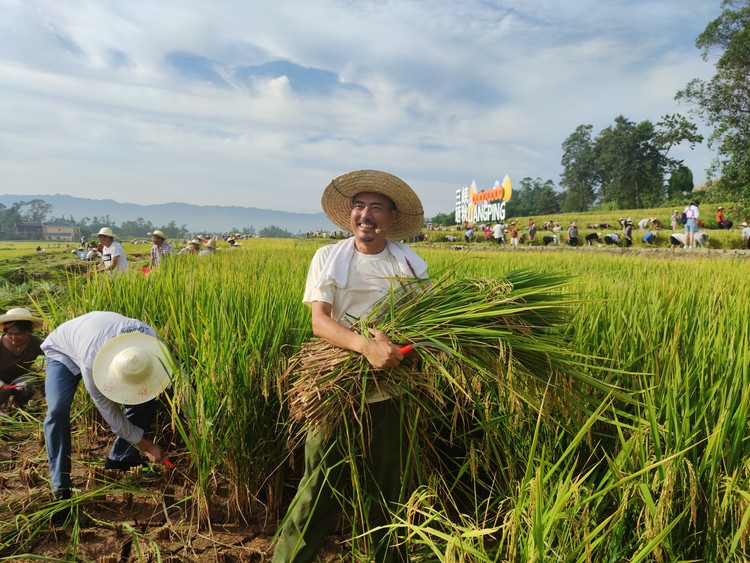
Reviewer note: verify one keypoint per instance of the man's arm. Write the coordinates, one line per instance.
(379, 351)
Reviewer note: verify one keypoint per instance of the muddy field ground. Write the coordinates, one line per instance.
(141, 515)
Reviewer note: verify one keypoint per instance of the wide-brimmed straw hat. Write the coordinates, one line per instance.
(158, 233)
(106, 232)
(337, 200)
(132, 368)
(20, 314)
(743, 224)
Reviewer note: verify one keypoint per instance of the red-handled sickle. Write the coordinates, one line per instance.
(168, 463)
(11, 387)
(425, 344)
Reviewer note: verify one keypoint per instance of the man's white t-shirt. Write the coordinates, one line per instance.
(370, 279)
(109, 253)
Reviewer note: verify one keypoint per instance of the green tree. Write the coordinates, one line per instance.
(630, 164)
(173, 231)
(680, 182)
(534, 197)
(723, 102)
(580, 177)
(444, 219)
(136, 229)
(274, 232)
(37, 211)
(10, 218)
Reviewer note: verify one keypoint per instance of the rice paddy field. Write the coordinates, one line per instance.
(633, 449)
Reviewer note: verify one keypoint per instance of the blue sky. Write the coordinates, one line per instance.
(261, 103)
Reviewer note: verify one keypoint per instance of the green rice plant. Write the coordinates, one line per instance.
(229, 334)
(570, 478)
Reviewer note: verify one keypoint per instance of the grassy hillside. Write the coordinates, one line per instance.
(719, 239)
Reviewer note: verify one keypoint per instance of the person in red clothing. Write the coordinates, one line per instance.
(722, 221)
(19, 348)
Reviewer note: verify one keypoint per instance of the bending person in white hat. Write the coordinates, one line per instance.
(113, 254)
(121, 362)
(19, 349)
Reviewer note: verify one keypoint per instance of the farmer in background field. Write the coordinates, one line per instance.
(691, 225)
(677, 240)
(745, 233)
(573, 234)
(627, 232)
(721, 221)
(113, 255)
(612, 239)
(344, 282)
(121, 362)
(160, 249)
(675, 219)
(210, 247)
(192, 247)
(650, 238)
(19, 349)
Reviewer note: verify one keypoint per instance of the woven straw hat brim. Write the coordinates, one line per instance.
(20, 314)
(337, 201)
(122, 392)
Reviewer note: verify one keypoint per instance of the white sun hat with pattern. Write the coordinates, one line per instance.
(132, 368)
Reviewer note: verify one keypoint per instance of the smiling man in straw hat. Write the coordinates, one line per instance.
(121, 362)
(19, 349)
(161, 247)
(113, 254)
(344, 282)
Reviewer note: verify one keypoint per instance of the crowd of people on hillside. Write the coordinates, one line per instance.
(110, 254)
(622, 233)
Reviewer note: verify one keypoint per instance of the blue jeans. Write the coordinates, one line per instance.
(60, 388)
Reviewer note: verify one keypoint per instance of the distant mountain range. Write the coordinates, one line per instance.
(197, 218)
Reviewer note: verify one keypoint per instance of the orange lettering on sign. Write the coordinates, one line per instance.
(488, 195)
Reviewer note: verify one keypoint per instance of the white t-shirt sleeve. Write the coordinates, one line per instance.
(111, 412)
(312, 293)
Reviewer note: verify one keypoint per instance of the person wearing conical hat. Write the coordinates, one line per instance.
(344, 282)
(19, 349)
(113, 254)
(161, 247)
(121, 362)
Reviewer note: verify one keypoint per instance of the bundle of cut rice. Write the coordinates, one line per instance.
(498, 331)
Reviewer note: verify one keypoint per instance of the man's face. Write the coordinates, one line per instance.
(105, 240)
(371, 216)
(157, 240)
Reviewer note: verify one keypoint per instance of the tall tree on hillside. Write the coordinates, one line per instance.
(680, 182)
(724, 101)
(534, 197)
(37, 211)
(630, 164)
(10, 218)
(580, 176)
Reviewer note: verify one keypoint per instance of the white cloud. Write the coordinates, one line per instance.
(445, 92)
